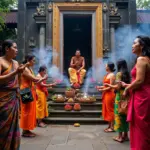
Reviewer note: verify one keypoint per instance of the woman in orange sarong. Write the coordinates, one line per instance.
(9, 101)
(28, 111)
(42, 94)
(108, 97)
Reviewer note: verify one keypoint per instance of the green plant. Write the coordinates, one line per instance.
(54, 97)
(68, 88)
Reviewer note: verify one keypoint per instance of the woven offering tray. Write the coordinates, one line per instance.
(58, 98)
(85, 98)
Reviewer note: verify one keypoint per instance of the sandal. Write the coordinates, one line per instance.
(30, 135)
(126, 139)
(109, 130)
(118, 140)
(105, 130)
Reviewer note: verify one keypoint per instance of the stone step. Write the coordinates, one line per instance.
(98, 97)
(72, 120)
(84, 106)
(62, 90)
(81, 113)
(90, 112)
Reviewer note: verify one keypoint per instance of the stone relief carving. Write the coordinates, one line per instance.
(32, 42)
(40, 10)
(105, 8)
(50, 7)
(105, 49)
(78, 1)
(113, 10)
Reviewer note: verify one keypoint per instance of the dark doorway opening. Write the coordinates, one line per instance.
(77, 35)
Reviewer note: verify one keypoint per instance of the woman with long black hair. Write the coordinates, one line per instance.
(120, 123)
(108, 97)
(139, 107)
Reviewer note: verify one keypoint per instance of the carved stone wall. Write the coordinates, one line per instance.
(28, 28)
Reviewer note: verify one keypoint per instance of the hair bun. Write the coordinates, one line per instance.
(114, 70)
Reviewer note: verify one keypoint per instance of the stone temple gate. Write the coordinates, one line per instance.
(66, 25)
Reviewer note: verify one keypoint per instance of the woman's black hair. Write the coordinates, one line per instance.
(6, 44)
(111, 66)
(42, 68)
(28, 58)
(145, 42)
(123, 68)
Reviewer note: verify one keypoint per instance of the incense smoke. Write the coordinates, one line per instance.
(44, 57)
(124, 37)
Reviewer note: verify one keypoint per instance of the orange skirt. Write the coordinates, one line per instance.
(41, 105)
(28, 114)
(108, 99)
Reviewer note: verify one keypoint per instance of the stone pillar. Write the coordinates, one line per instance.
(40, 19)
(49, 21)
(41, 43)
(112, 37)
(106, 29)
(114, 20)
(42, 36)
(21, 35)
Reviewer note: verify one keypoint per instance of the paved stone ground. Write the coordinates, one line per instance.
(68, 137)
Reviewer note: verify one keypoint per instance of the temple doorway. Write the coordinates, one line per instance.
(77, 35)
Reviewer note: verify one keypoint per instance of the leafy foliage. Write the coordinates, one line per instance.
(5, 6)
(8, 33)
(144, 4)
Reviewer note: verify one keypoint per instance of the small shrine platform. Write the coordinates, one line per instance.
(90, 113)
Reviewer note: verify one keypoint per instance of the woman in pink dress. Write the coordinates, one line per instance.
(139, 107)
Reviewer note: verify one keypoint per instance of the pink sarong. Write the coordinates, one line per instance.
(139, 114)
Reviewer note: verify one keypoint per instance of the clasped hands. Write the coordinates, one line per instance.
(22, 67)
(123, 84)
(99, 88)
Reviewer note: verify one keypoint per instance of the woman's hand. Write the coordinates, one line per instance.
(42, 79)
(98, 87)
(106, 84)
(100, 90)
(22, 67)
(123, 84)
(53, 84)
(45, 77)
(78, 71)
(125, 93)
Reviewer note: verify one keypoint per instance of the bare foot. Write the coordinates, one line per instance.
(118, 139)
(42, 125)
